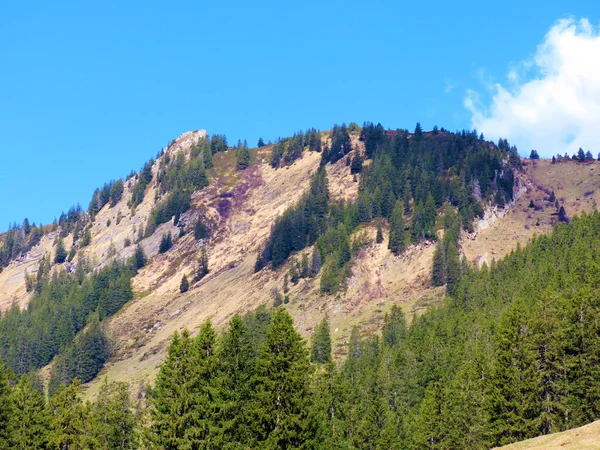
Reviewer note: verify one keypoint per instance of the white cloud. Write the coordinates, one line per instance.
(556, 111)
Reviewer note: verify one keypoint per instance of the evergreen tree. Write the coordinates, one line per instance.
(203, 390)
(357, 163)
(396, 241)
(203, 265)
(170, 398)
(116, 192)
(242, 156)
(562, 215)
(438, 271)
(113, 422)
(315, 264)
(429, 428)
(6, 408)
(394, 327)
(166, 242)
(61, 253)
(453, 269)
(379, 235)
(513, 385)
(185, 285)
(281, 413)
(261, 143)
(418, 132)
(321, 343)
(237, 361)
(139, 258)
(29, 422)
(68, 419)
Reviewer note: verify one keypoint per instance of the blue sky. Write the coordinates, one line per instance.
(91, 90)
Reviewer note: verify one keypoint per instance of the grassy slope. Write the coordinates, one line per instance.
(583, 438)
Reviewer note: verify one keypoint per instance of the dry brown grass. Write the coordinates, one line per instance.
(583, 438)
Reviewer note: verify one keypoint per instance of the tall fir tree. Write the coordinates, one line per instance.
(30, 420)
(321, 343)
(6, 408)
(281, 412)
(112, 416)
(396, 240)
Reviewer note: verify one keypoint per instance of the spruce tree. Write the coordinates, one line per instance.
(379, 234)
(203, 265)
(236, 368)
(357, 163)
(315, 264)
(430, 428)
(453, 269)
(281, 412)
(394, 327)
(61, 253)
(29, 422)
(170, 397)
(321, 343)
(438, 271)
(69, 427)
(203, 390)
(139, 257)
(6, 408)
(242, 157)
(166, 243)
(396, 240)
(184, 285)
(514, 409)
(113, 422)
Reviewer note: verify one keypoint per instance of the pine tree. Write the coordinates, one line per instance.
(166, 243)
(68, 419)
(6, 408)
(453, 269)
(379, 235)
(321, 343)
(315, 264)
(139, 257)
(514, 409)
(562, 215)
(418, 132)
(61, 253)
(261, 143)
(170, 397)
(203, 389)
(236, 368)
(281, 413)
(185, 285)
(242, 157)
(396, 241)
(429, 428)
(438, 271)
(394, 327)
(29, 422)
(113, 422)
(357, 163)
(203, 265)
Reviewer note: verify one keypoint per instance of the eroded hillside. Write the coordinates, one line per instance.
(239, 208)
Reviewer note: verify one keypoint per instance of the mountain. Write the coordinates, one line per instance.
(254, 213)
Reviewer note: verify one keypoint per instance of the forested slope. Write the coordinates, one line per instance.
(513, 354)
